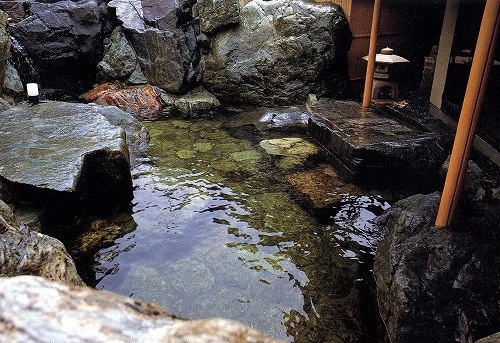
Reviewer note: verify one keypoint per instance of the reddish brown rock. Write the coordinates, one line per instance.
(323, 186)
(140, 101)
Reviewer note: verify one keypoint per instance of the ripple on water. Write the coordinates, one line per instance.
(219, 234)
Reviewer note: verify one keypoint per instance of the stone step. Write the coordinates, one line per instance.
(380, 147)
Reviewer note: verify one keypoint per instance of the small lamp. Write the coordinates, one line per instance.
(32, 89)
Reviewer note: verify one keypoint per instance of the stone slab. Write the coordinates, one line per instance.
(66, 150)
(372, 144)
(48, 149)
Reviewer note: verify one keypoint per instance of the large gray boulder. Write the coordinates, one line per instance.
(26, 252)
(66, 150)
(434, 285)
(164, 38)
(33, 309)
(64, 41)
(279, 53)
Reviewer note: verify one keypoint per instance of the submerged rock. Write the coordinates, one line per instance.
(323, 186)
(68, 151)
(26, 252)
(27, 315)
(279, 53)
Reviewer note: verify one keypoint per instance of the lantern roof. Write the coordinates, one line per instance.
(387, 56)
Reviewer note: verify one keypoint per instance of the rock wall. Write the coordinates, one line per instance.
(262, 52)
(4, 46)
(63, 39)
(437, 285)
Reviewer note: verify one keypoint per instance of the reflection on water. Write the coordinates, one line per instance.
(221, 233)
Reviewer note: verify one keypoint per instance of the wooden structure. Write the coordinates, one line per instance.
(388, 27)
(396, 29)
(471, 110)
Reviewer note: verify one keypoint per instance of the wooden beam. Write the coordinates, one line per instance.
(471, 108)
(372, 52)
(444, 52)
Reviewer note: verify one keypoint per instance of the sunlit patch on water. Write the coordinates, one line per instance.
(219, 233)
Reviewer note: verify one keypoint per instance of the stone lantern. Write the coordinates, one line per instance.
(381, 74)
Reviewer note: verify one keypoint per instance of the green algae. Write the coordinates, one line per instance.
(220, 234)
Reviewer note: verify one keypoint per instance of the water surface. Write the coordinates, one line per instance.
(220, 232)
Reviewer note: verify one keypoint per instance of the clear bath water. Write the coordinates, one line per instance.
(218, 231)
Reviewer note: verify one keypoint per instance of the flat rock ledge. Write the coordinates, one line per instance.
(34, 309)
(68, 149)
(437, 285)
(376, 147)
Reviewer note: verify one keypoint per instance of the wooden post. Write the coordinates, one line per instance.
(469, 116)
(372, 52)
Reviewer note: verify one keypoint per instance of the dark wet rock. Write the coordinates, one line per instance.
(140, 101)
(4, 45)
(167, 53)
(380, 149)
(279, 53)
(66, 150)
(15, 9)
(99, 234)
(137, 136)
(434, 285)
(165, 58)
(215, 15)
(64, 41)
(287, 118)
(12, 83)
(111, 317)
(26, 252)
(119, 58)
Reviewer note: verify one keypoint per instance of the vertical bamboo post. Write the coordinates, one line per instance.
(469, 116)
(372, 52)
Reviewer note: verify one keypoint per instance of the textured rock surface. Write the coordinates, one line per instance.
(63, 38)
(119, 58)
(4, 45)
(35, 310)
(323, 186)
(26, 252)
(280, 52)
(140, 101)
(66, 148)
(379, 149)
(215, 15)
(151, 103)
(164, 40)
(434, 285)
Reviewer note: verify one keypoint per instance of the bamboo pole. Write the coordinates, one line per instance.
(372, 52)
(469, 116)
